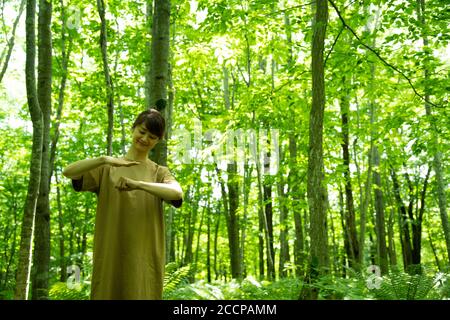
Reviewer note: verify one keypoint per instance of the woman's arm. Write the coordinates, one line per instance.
(166, 191)
(75, 170)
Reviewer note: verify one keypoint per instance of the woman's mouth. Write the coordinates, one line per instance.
(144, 144)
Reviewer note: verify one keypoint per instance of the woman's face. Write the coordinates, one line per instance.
(143, 139)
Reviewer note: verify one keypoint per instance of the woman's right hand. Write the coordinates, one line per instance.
(117, 162)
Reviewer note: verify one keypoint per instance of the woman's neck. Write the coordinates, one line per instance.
(136, 155)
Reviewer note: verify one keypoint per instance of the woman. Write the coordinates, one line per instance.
(129, 226)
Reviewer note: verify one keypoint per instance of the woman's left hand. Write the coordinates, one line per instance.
(126, 184)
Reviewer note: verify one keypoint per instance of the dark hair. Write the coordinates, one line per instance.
(153, 121)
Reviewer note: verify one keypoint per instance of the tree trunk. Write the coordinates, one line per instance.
(268, 210)
(317, 193)
(263, 228)
(42, 220)
(170, 234)
(233, 221)
(123, 136)
(62, 248)
(379, 210)
(284, 232)
(246, 185)
(25, 253)
(405, 235)
(231, 213)
(10, 251)
(417, 226)
(437, 162)
(199, 233)
(148, 53)
(335, 246)
(65, 56)
(216, 237)
(108, 81)
(391, 242)
(293, 179)
(208, 245)
(160, 68)
(294, 192)
(349, 213)
(191, 221)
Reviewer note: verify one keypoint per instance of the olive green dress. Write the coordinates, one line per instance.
(129, 253)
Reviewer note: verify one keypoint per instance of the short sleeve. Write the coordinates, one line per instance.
(166, 177)
(89, 181)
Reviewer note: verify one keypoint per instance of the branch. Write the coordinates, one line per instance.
(332, 47)
(381, 58)
(10, 43)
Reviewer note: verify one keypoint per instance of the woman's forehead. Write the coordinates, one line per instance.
(142, 126)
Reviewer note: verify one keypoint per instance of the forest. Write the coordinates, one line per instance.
(311, 140)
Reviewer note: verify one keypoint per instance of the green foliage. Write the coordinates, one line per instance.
(269, 87)
(400, 285)
(248, 289)
(397, 285)
(333, 288)
(175, 277)
(60, 291)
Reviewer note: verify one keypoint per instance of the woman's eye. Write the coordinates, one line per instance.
(142, 132)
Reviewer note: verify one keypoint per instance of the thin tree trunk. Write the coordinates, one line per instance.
(191, 221)
(108, 81)
(391, 242)
(349, 213)
(199, 232)
(417, 226)
(231, 213)
(118, 98)
(62, 248)
(42, 220)
(317, 192)
(246, 191)
(379, 210)
(148, 53)
(365, 198)
(268, 210)
(284, 232)
(293, 184)
(208, 246)
(65, 56)
(25, 251)
(170, 235)
(437, 155)
(263, 228)
(346, 237)
(230, 201)
(160, 68)
(12, 248)
(404, 223)
(216, 236)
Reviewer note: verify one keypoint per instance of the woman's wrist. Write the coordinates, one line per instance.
(103, 160)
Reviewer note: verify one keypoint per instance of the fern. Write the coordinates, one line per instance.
(399, 285)
(175, 276)
(60, 291)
